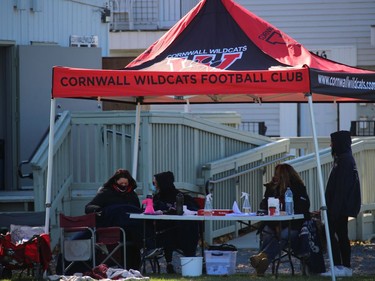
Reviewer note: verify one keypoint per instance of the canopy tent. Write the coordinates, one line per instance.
(218, 52)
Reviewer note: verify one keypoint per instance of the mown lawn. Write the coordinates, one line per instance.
(235, 277)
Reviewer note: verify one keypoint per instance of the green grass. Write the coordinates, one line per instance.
(235, 277)
(247, 277)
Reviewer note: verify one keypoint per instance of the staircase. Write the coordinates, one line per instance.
(17, 201)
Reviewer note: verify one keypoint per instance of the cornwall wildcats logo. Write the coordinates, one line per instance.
(273, 37)
(209, 59)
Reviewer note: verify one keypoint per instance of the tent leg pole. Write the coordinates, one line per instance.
(321, 187)
(136, 140)
(50, 163)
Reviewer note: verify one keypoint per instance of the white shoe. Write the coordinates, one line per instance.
(348, 271)
(339, 271)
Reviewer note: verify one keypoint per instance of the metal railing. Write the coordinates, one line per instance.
(362, 128)
(147, 14)
(253, 126)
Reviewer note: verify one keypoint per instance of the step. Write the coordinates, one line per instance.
(16, 201)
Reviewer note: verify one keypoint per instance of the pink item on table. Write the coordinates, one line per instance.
(149, 206)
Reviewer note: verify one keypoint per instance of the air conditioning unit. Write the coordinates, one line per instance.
(84, 41)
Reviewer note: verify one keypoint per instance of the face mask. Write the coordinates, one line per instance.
(121, 188)
(152, 188)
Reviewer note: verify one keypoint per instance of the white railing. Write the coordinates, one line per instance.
(90, 146)
(147, 14)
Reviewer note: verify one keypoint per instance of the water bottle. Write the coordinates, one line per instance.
(289, 205)
(179, 204)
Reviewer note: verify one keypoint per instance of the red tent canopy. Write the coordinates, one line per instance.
(197, 86)
(221, 52)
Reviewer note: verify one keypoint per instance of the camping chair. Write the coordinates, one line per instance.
(111, 243)
(287, 256)
(291, 252)
(151, 251)
(77, 241)
(23, 244)
(155, 235)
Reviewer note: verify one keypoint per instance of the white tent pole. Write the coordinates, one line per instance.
(321, 186)
(50, 163)
(136, 140)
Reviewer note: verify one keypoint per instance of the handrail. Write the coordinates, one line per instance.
(253, 126)
(24, 162)
(362, 128)
(248, 170)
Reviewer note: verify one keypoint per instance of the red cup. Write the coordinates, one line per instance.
(271, 210)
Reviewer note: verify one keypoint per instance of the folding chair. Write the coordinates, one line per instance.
(286, 256)
(77, 241)
(111, 243)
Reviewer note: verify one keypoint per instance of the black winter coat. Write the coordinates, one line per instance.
(107, 196)
(343, 195)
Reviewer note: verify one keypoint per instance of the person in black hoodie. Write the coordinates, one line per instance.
(343, 199)
(113, 203)
(285, 176)
(174, 234)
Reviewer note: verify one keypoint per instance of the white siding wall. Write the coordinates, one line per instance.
(55, 21)
(321, 23)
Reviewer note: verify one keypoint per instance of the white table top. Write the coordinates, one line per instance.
(218, 218)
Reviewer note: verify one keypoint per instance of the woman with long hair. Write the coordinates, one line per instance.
(273, 238)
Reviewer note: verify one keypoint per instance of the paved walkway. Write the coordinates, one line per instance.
(247, 241)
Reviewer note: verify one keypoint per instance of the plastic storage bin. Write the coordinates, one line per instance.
(220, 262)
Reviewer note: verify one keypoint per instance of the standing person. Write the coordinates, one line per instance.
(113, 203)
(343, 199)
(182, 235)
(273, 238)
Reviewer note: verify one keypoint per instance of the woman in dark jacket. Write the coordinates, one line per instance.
(176, 235)
(343, 199)
(113, 203)
(285, 176)
(118, 190)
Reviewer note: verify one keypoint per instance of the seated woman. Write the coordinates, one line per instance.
(113, 203)
(175, 235)
(273, 238)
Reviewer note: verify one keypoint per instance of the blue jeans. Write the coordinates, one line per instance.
(272, 242)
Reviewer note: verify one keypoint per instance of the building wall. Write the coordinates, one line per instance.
(35, 35)
(35, 74)
(53, 22)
